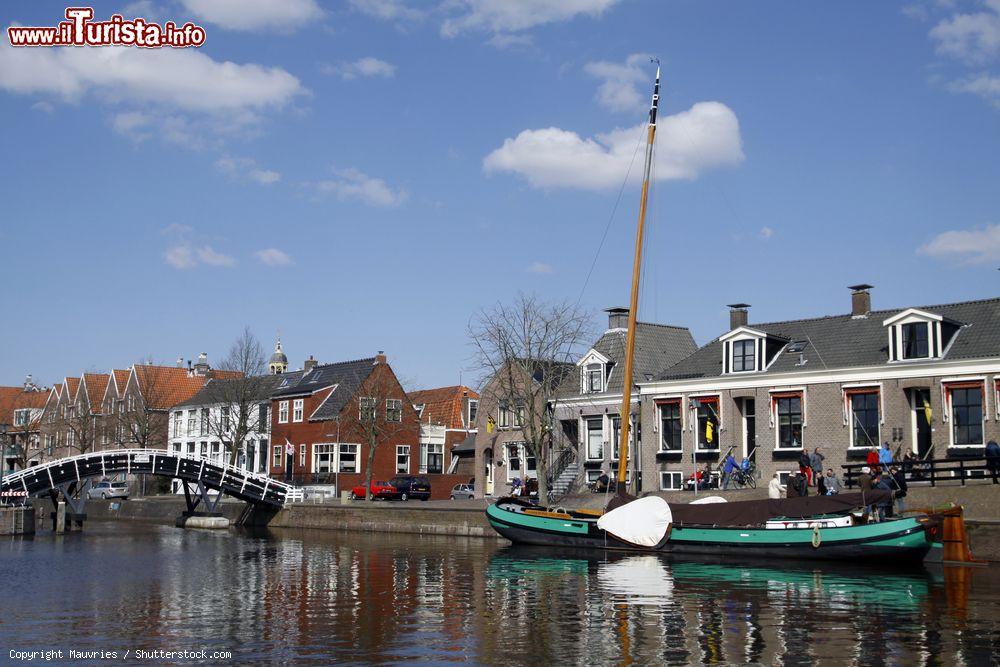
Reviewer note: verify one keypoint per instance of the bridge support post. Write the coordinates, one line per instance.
(60, 517)
(199, 496)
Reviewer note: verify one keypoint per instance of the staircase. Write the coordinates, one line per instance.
(566, 471)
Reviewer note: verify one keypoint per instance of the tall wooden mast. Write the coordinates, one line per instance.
(626, 409)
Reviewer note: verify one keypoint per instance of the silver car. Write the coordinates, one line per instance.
(107, 490)
(463, 491)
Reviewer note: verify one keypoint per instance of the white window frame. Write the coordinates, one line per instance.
(178, 423)
(849, 414)
(298, 409)
(586, 430)
(357, 457)
(473, 408)
(402, 450)
(784, 476)
(276, 456)
(302, 455)
(504, 414)
(755, 344)
(716, 401)
(396, 405)
(984, 411)
(282, 412)
(590, 370)
(426, 451)
(592, 476)
(674, 474)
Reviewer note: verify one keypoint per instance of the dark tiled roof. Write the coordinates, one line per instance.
(842, 341)
(263, 387)
(347, 375)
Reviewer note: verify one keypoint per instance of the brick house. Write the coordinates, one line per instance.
(316, 413)
(21, 410)
(447, 428)
(924, 379)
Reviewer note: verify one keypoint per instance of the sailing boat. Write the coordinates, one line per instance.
(812, 527)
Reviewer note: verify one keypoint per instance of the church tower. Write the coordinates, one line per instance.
(279, 362)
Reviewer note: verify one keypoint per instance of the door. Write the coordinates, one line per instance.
(750, 428)
(922, 416)
(488, 457)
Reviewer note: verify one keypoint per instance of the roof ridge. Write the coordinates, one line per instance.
(344, 363)
(873, 312)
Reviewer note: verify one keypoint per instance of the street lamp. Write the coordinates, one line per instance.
(3, 447)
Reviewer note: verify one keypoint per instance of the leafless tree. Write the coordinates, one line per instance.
(79, 428)
(141, 418)
(236, 397)
(384, 412)
(524, 351)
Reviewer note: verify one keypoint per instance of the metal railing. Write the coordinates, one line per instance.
(929, 470)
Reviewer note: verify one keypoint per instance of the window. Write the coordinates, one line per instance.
(204, 421)
(864, 419)
(784, 476)
(504, 416)
(323, 457)
(592, 476)
(192, 422)
(402, 459)
(348, 458)
(224, 412)
(967, 416)
(393, 410)
(744, 355)
(473, 411)
(297, 408)
(263, 412)
(593, 379)
(283, 412)
(178, 424)
(671, 480)
(431, 457)
(595, 438)
(789, 409)
(21, 417)
(915, 340)
(519, 414)
(191, 448)
(670, 427)
(616, 436)
(262, 463)
(276, 462)
(708, 424)
(216, 450)
(302, 455)
(69, 438)
(367, 413)
(513, 460)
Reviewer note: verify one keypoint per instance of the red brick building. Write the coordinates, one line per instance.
(447, 430)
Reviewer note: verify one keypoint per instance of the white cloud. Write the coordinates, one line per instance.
(244, 168)
(540, 267)
(619, 89)
(354, 184)
(255, 14)
(186, 256)
(206, 255)
(181, 256)
(184, 79)
(766, 233)
(506, 16)
(43, 106)
(388, 10)
(974, 38)
(273, 257)
(704, 137)
(363, 67)
(967, 246)
(984, 85)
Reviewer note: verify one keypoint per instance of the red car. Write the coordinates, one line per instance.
(382, 490)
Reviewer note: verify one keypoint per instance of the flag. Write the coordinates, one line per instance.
(490, 424)
(709, 428)
(928, 413)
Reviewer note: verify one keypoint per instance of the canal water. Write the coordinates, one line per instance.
(346, 598)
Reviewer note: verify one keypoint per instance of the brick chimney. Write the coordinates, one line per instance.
(861, 300)
(202, 367)
(309, 364)
(380, 357)
(738, 316)
(617, 317)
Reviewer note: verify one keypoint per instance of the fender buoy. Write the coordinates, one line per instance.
(817, 539)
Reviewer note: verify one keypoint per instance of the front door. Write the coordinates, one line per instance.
(750, 429)
(922, 417)
(488, 457)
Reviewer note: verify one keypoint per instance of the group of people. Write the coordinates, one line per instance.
(811, 466)
(892, 479)
(798, 485)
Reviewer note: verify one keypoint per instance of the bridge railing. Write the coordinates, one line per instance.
(932, 471)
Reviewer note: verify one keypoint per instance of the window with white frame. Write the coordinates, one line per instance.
(788, 409)
(70, 438)
(348, 458)
(513, 452)
(784, 476)
(966, 415)
(402, 459)
(22, 417)
(191, 448)
(592, 476)
(593, 378)
(204, 421)
(324, 458)
(744, 355)
(473, 411)
(297, 409)
(595, 438)
(671, 480)
(192, 422)
(519, 413)
(616, 436)
(864, 418)
(302, 455)
(178, 424)
(504, 416)
(224, 414)
(708, 424)
(283, 412)
(431, 457)
(367, 409)
(276, 457)
(915, 340)
(393, 410)
(670, 426)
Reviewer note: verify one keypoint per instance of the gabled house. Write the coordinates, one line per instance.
(923, 379)
(20, 412)
(587, 408)
(319, 418)
(447, 429)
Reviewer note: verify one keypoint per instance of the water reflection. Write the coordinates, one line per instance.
(319, 597)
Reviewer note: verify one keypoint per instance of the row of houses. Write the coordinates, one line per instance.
(925, 379)
(324, 424)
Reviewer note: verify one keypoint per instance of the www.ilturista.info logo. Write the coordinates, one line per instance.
(80, 30)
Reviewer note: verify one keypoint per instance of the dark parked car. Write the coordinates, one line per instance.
(412, 486)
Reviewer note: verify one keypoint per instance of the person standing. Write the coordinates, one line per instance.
(899, 481)
(885, 457)
(832, 483)
(728, 467)
(872, 459)
(775, 489)
(993, 459)
(882, 507)
(805, 466)
(816, 464)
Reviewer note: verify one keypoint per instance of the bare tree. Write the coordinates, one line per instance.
(384, 412)
(79, 427)
(141, 416)
(524, 351)
(236, 397)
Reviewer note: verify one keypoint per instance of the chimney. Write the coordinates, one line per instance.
(309, 364)
(617, 317)
(180, 362)
(861, 300)
(738, 315)
(202, 367)
(380, 357)
(28, 384)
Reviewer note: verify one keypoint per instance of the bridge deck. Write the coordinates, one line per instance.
(237, 482)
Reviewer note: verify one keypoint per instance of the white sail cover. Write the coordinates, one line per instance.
(710, 500)
(642, 522)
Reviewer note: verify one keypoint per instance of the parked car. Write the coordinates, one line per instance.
(466, 491)
(412, 486)
(380, 491)
(107, 490)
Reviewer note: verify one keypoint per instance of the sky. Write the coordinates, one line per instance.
(365, 175)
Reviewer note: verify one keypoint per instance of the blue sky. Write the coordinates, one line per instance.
(364, 176)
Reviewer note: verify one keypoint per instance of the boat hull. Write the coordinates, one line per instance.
(898, 540)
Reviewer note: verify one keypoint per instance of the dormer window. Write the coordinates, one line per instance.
(595, 369)
(915, 340)
(744, 357)
(594, 378)
(747, 350)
